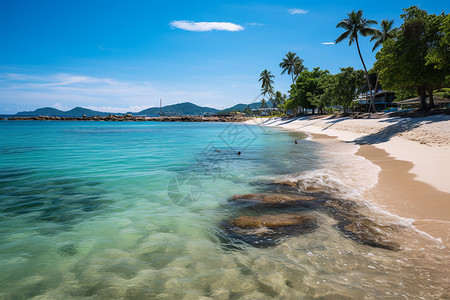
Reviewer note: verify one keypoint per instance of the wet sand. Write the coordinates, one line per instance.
(400, 193)
(413, 181)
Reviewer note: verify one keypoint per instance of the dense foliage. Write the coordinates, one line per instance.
(414, 59)
(418, 60)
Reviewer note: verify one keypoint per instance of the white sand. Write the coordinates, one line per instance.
(425, 142)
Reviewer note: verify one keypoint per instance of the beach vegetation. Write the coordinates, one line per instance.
(266, 83)
(417, 61)
(355, 25)
(309, 90)
(347, 87)
(292, 65)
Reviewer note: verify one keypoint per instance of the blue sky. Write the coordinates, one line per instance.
(126, 55)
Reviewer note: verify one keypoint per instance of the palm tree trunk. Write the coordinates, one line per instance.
(372, 104)
(375, 90)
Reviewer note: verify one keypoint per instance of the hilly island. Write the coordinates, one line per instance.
(179, 109)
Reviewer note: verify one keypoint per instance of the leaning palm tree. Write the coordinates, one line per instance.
(354, 26)
(266, 82)
(381, 36)
(292, 65)
(386, 33)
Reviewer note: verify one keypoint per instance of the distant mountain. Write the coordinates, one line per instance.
(180, 109)
(241, 107)
(45, 111)
(53, 112)
(237, 107)
(80, 111)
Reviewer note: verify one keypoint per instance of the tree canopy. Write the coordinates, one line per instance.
(416, 60)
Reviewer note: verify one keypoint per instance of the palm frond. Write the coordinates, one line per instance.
(342, 36)
(344, 24)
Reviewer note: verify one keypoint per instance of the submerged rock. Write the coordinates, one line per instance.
(277, 199)
(289, 183)
(272, 220)
(341, 208)
(267, 230)
(369, 233)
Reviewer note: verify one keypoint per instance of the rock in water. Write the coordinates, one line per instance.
(369, 233)
(245, 222)
(267, 230)
(342, 208)
(277, 199)
(290, 183)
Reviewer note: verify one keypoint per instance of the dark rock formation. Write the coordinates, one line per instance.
(266, 230)
(274, 198)
(128, 117)
(246, 222)
(368, 232)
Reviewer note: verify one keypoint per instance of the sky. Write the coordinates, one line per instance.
(120, 56)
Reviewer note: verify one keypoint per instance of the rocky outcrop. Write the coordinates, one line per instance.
(245, 222)
(369, 233)
(128, 117)
(266, 230)
(274, 198)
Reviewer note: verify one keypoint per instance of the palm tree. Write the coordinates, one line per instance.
(292, 65)
(381, 36)
(386, 33)
(266, 82)
(356, 25)
(263, 104)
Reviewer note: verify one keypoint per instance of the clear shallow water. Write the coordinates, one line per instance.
(102, 210)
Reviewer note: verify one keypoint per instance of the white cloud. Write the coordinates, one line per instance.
(297, 11)
(328, 43)
(254, 24)
(60, 106)
(206, 26)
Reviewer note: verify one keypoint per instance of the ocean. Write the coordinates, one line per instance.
(136, 210)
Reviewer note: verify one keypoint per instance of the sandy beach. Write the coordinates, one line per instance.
(413, 154)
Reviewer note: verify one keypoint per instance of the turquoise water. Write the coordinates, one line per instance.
(104, 210)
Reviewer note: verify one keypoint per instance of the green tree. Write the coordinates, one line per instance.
(326, 86)
(407, 64)
(263, 104)
(386, 33)
(266, 83)
(309, 89)
(354, 26)
(347, 87)
(292, 65)
(248, 111)
(439, 55)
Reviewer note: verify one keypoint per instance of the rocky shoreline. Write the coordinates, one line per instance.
(213, 118)
(264, 219)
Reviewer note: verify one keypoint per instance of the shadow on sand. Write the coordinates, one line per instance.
(398, 125)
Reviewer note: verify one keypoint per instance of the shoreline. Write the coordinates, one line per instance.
(414, 162)
(131, 118)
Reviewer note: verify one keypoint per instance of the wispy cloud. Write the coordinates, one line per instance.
(60, 106)
(206, 26)
(328, 43)
(254, 24)
(297, 11)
